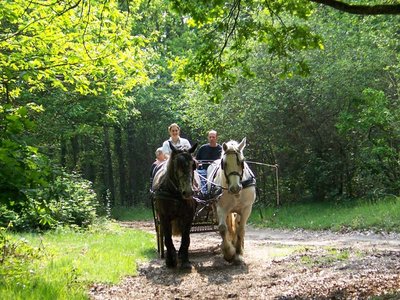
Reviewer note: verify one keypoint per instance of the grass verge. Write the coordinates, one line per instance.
(62, 264)
(140, 213)
(382, 215)
(379, 215)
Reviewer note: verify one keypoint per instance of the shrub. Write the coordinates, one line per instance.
(66, 200)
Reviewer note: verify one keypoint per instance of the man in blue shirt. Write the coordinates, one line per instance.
(208, 153)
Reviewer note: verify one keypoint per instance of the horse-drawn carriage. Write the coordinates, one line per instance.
(225, 208)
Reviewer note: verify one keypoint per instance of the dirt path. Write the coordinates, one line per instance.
(279, 265)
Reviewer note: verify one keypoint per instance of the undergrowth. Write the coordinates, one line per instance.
(61, 264)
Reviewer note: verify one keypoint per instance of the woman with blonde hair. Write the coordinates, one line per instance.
(179, 142)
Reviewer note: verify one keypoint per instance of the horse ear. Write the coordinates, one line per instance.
(225, 147)
(172, 146)
(242, 144)
(191, 150)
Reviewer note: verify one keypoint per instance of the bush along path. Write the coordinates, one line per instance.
(279, 264)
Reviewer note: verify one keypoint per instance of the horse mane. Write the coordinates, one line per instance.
(232, 144)
(170, 162)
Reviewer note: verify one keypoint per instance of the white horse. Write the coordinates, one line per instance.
(232, 174)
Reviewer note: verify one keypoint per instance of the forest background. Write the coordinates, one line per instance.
(88, 89)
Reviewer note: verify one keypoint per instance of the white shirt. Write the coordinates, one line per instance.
(180, 143)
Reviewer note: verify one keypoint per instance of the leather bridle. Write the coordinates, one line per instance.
(239, 162)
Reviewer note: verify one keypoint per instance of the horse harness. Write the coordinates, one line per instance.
(246, 183)
(167, 188)
(239, 162)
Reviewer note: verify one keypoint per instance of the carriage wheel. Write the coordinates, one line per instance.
(159, 232)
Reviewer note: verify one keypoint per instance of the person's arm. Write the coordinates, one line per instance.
(199, 153)
(152, 170)
(166, 149)
(186, 144)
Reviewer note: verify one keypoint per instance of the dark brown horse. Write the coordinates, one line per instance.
(173, 192)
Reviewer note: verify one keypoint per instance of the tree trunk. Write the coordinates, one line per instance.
(88, 168)
(75, 151)
(63, 153)
(108, 170)
(131, 163)
(121, 165)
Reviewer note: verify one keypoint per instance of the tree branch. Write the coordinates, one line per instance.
(384, 9)
(235, 17)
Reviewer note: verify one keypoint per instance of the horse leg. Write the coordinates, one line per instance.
(240, 232)
(185, 224)
(227, 248)
(170, 258)
(183, 253)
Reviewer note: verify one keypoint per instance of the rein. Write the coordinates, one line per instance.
(246, 183)
(211, 182)
(167, 189)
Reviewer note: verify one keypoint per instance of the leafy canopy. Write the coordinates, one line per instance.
(84, 46)
(232, 31)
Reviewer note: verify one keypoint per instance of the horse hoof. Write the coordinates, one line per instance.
(229, 258)
(186, 265)
(238, 260)
(228, 251)
(171, 263)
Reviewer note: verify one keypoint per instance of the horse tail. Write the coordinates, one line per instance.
(176, 229)
(230, 221)
(233, 224)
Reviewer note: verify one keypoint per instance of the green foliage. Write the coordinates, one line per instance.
(295, 121)
(33, 194)
(231, 32)
(67, 200)
(22, 167)
(372, 122)
(379, 214)
(77, 60)
(68, 47)
(30, 198)
(89, 65)
(17, 258)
